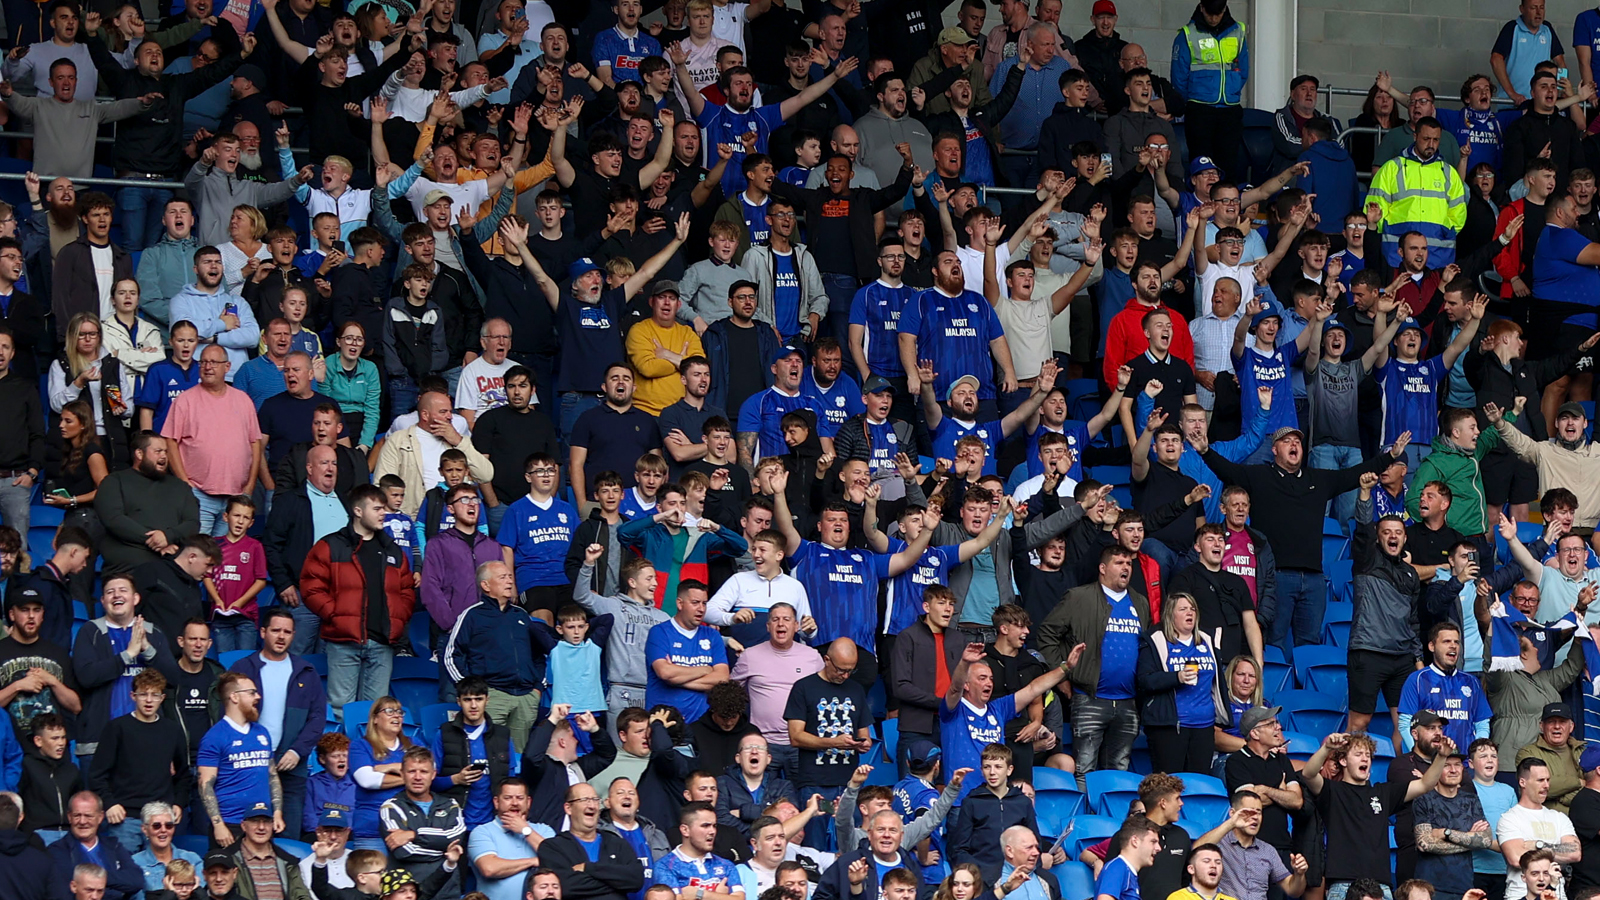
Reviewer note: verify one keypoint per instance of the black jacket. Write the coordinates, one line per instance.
(359, 295)
(289, 537)
(45, 787)
(25, 318)
(1065, 127)
(332, 129)
(169, 597)
(1502, 385)
(152, 142)
(661, 785)
(912, 666)
(1101, 59)
(25, 869)
(1525, 139)
(984, 118)
(75, 288)
(614, 876)
(717, 748)
(983, 817)
(22, 443)
(593, 530)
(835, 883)
(511, 295)
(864, 205)
(547, 778)
(290, 475)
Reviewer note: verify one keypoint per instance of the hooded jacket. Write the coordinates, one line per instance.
(1211, 65)
(1066, 126)
(46, 786)
(76, 288)
(1461, 471)
(25, 870)
(1332, 180)
(1526, 137)
(1577, 469)
(163, 271)
(333, 584)
(719, 749)
(759, 262)
(879, 135)
(152, 143)
(305, 708)
(737, 807)
(449, 580)
(974, 837)
(1386, 591)
(653, 836)
(216, 193)
(169, 597)
(205, 310)
(47, 584)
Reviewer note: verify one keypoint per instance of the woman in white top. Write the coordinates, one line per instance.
(80, 373)
(246, 229)
(134, 340)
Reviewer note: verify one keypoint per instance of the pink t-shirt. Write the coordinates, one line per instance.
(243, 562)
(1240, 559)
(214, 435)
(768, 674)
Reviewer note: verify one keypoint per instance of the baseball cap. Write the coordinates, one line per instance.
(25, 597)
(334, 817)
(665, 286)
(1426, 718)
(953, 35)
(1334, 323)
(394, 880)
(791, 348)
(252, 73)
(876, 383)
(1271, 311)
(1255, 715)
(1590, 759)
(965, 379)
(1200, 164)
(921, 754)
(580, 267)
(1570, 408)
(1556, 711)
(1285, 431)
(217, 859)
(1103, 8)
(434, 196)
(259, 809)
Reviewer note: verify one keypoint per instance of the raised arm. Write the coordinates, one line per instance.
(816, 89)
(780, 513)
(1464, 338)
(1141, 448)
(653, 265)
(680, 68)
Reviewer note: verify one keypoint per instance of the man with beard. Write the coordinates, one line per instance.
(1531, 827)
(235, 766)
(147, 511)
(216, 182)
(960, 330)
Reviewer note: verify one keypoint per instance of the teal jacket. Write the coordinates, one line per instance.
(356, 392)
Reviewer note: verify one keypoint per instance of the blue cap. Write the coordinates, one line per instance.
(259, 809)
(1200, 164)
(580, 267)
(1270, 311)
(921, 754)
(334, 817)
(791, 347)
(1590, 759)
(1411, 324)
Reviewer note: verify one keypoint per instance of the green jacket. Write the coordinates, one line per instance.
(1462, 473)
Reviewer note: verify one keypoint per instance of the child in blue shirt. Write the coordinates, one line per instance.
(1266, 365)
(573, 666)
(333, 789)
(1411, 385)
(649, 474)
(399, 526)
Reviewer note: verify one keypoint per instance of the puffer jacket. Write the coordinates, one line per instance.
(1386, 592)
(1461, 471)
(334, 586)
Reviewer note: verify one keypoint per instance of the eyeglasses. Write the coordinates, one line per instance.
(1357, 226)
(1155, 146)
(1225, 201)
(84, 334)
(246, 691)
(1232, 242)
(780, 215)
(213, 362)
(352, 339)
(543, 470)
(470, 501)
(893, 257)
(391, 711)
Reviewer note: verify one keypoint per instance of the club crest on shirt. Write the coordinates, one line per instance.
(1377, 807)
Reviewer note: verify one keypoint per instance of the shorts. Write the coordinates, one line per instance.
(1371, 672)
(548, 597)
(1569, 337)
(1507, 479)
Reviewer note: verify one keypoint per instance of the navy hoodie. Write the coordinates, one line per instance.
(24, 868)
(1333, 180)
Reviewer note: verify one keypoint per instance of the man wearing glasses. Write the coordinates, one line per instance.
(235, 764)
(483, 380)
(130, 766)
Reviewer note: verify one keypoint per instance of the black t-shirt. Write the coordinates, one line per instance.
(588, 194)
(1244, 768)
(828, 710)
(370, 555)
(508, 438)
(687, 419)
(1166, 874)
(1429, 547)
(1223, 599)
(830, 235)
(615, 441)
(1175, 375)
(15, 660)
(745, 370)
(1406, 768)
(1161, 486)
(1585, 816)
(1356, 819)
(1012, 674)
(190, 693)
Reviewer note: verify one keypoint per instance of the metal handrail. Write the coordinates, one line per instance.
(108, 182)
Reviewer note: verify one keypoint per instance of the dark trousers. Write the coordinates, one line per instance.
(1493, 885)
(1217, 132)
(1178, 749)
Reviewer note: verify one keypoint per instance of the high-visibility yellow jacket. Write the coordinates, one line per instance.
(1427, 197)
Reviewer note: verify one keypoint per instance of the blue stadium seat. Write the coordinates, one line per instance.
(1380, 770)
(1339, 611)
(1110, 790)
(1090, 830)
(331, 722)
(1339, 573)
(232, 656)
(1055, 808)
(1196, 784)
(356, 714)
(1310, 712)
(197, 844)
(1332, 527)
(1124, 496)
(1322, 669)
(1277, 678)
(1075, 878)
(1194, 828)
(1112, 474)
(434, 716)
(417, 630)
(319, 662)
(1385, 746)
(1046, 778)
(415, 694)
(1301, 746)
(299, 849)
(39, 514)
(1334, 548)
(415, 667)
(1139, 764)
(889, 733)
(1337, 634)
(1273, 653)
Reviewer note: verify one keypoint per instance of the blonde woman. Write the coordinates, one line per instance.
(89, 371)
(1175, 675)
(245, 249)
(1237, 690)
(375, 767)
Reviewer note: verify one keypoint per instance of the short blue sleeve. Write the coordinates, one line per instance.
(858, 308)
(750, 413)
(880, 564)
(1502, 43)
(772, 113)
(911, 317)
(1410, 702)
(719, 650)
(507, 535)
(211, 754)
(655, 644)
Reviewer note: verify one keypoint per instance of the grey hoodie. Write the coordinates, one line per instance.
(217, 193)
(879, 134)
(813, 298)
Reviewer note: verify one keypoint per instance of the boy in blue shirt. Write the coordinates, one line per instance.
(1411, 385)
(1267, 365)
(573, 656)
(534, 536)
(1140, 840)
(399, 526)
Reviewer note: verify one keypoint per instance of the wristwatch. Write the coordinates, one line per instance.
(527, 830)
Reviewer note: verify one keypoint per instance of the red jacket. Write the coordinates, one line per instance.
(1125, 339)
(1508, 261)
(334, 586)
(1152, 583)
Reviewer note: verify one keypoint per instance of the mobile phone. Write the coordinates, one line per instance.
(63, 493)
(1561, 74)
(337, 245)
(1105, 160)
(825, 808)
(1472, 557)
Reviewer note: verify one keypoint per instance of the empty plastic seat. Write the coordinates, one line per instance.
(1300, 746)
(1337, 634)
(1110, 791)
(889, 733)
(228, 658)
(1204, 812)
(1339, 611)
(434, 716)
(1322, 669)
(1045, 778)
(415, 667)
(299, 849)
(418, 629)
(1311, 712)
(1338, 573)
(1055, 807)
(1090, 830)
(1075, 878)
(319, 662)
(1196, 784)
(1112, 474)
(415, 694)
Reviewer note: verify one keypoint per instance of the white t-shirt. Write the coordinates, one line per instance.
(429, 448)
(1244, 273)
(972, 273)
(406, 420)
(727, 24)
(1521, 823)
(465, 197)
(103, 273)
(1027, 328)
(483, 385)
(748, 590)
(1031, 487)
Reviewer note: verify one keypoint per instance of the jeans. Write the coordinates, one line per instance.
(496, 514)
(1333, 456)
(128, 832)
(140, 210)
(234, 633)
(14, 509)
(357, 672)
(787, 758)
(1302, 601)
(307, 631)
(841, 290)
(452, 377)
(573, 405)
(402, 394)
(212, 506)
(1103, 732)
(294, 797)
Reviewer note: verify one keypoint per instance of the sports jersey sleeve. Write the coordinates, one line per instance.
(1005, 708)
(880, 564)
(1384, 372)
(656, 644)
(858, 308)
(1502, 42)
(1410, 695)
(210, 750)
(911, 318)
(772, 114)
(992, 321)
(1436, 368)
(750, 413)
(709, 114)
